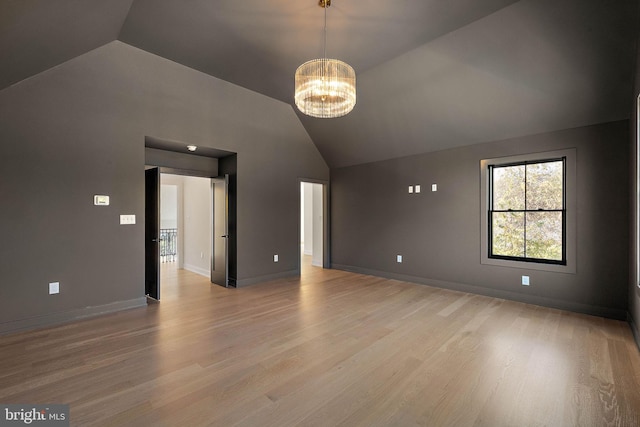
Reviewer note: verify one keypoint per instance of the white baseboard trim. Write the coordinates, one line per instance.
(54, 319)
(201, 271)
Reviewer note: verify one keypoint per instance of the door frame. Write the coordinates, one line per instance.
(326, 221)
(181, 172)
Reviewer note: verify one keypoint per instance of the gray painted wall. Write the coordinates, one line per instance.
(634, 290)
(186, 164)
(438, 233)
(78, 129)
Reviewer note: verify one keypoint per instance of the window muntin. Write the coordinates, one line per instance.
(527, 211)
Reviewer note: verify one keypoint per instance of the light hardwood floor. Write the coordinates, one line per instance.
(329, 349)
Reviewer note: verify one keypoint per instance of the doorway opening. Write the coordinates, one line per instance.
(185, 223)
(196, 176)
(185, 217)
(314, 246)
(179, 227)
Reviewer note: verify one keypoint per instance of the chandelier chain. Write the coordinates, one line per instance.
(324, 52)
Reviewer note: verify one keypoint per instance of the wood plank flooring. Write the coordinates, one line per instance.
(330, 349)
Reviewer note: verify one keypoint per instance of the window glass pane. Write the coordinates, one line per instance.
(508, 188)
(544, 185)
(544, 235)
(508, 233)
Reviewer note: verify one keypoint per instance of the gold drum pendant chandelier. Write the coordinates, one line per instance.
(325, 88)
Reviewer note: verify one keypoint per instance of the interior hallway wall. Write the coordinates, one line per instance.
(197, 225)
(307, 217)
(316, 224)
(168, 205)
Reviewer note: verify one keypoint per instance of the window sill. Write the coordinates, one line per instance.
(525, 265)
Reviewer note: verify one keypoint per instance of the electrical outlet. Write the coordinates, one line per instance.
(54, 288)
(434, 187)
(275, 258)
(417, 188)
(398, 258)
(127, 219)
(411, 189)
(525, 280)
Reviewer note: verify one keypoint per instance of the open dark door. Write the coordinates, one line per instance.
(220, 250)
(152, 233)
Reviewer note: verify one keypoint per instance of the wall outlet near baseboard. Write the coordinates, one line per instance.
(275, 258)
(525, 280)
(399, 258)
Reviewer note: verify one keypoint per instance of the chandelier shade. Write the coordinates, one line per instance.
(325, 88)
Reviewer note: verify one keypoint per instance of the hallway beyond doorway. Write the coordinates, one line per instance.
(312, 232)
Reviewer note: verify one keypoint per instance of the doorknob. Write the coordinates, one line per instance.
(154, 240)
(226, 236)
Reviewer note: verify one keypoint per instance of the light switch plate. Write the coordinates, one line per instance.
(127, 219)
(399, 258)
(275, 258)
(525, 280)
(54, 288)
(100, 200)
(434, 187)
(410, 189)
(417, 188)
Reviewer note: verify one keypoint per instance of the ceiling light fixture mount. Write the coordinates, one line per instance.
(325, 88)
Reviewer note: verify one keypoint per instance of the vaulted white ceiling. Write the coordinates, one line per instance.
(432, 74)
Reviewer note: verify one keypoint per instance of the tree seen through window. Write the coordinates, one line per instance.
(527, 211)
